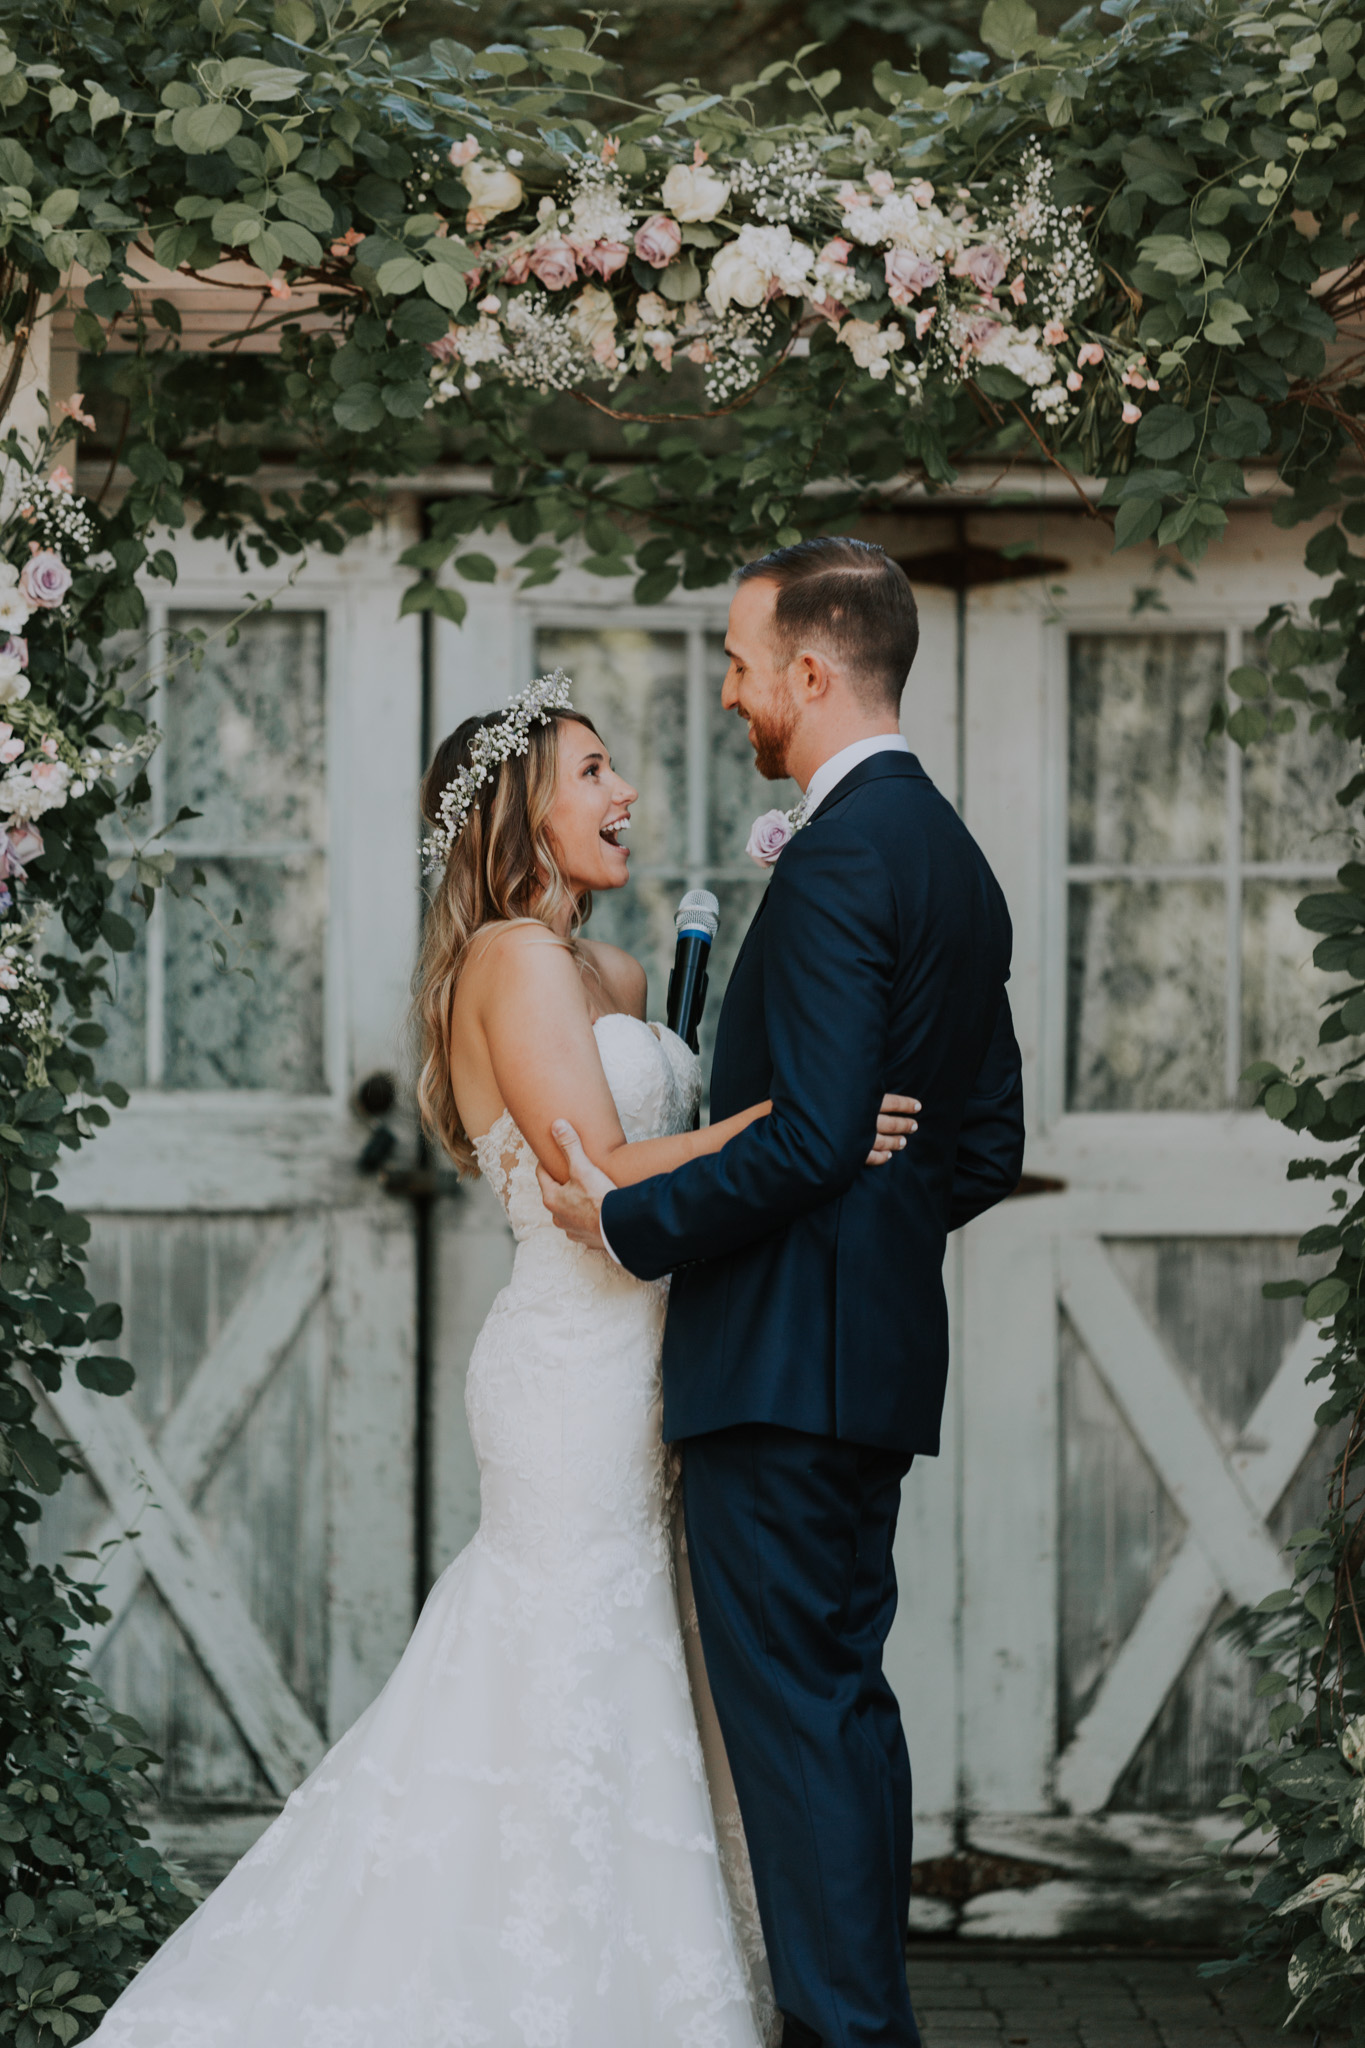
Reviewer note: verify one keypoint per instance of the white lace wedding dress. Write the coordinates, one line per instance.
(530, 1840)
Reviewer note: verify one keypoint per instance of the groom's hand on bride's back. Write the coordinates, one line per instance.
(895, 1122)
(575, 1204)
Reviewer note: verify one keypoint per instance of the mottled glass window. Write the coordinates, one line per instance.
(656, 697)
(1185, 859)
(226, 988)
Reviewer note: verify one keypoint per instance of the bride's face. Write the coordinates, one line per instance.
(590, 812)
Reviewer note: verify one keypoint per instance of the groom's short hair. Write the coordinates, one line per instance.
(850, 597)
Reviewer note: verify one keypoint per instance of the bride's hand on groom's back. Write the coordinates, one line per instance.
(895, 1123)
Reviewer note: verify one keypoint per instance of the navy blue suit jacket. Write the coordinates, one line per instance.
(807, 1286)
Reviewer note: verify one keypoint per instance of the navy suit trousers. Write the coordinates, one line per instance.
(790, 1539)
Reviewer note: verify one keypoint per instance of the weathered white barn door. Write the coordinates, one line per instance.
(264, 1458)
(1135, 1439)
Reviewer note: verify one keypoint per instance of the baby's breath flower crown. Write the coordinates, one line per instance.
(489, 748)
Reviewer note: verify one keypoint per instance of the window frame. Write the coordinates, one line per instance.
(1238, 626)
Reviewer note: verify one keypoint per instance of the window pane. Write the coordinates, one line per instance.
(633, 685)
(738, 791)
(245, 734)
(123, 1056)
(1282, 991)
(1289, 807)
(1144, 787)
(1145, 981)
(224, 1029)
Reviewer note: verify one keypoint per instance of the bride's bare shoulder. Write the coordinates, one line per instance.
(620, 973)
(518, 955)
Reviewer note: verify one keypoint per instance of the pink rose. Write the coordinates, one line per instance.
(1090, 352)
(553, 263)
(1018, 289)
(11, 747)
(924, 320)
(909, 275)
(978, 333)
(464, 152)
(829, 309)
(44, 579)
(1131, 415)
(16, 647)
(445, 348)
(518, 267)
(604, 259)
(1054, 334)
(882, 183)
(1074, 380)
(767, 837)
(18, 844)
(836, 251)
(984, 263)
(658, 241)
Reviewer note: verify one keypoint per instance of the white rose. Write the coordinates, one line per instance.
(9, 576)
(691, 192)
(491, 190)
(14, 684)
(870, 346)
(592, 318)
(15, 611)
(736, 277)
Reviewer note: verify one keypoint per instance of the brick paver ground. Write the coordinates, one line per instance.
(1046, 1998)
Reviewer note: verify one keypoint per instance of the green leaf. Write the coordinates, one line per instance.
(1247, 725)
(1280, 1100)
(401, 274)
(1248, 682)
(655, 586)
(1165, 431)
(477, 568)
(434, 597)
(1137, 519)
(360, 409)
(1009, 27)
(441, 283)
(105, 1375)
(1325, 1298)
(103, 105)
(296, 242)
(1330, 913)
(201, 130)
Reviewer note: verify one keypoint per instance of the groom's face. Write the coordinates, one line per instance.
(757, 681)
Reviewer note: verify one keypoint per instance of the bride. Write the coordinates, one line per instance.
(530, 1839)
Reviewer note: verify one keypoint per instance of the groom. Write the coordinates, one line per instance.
(806, 1347)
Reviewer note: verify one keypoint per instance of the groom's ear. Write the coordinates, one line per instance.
(812, 675)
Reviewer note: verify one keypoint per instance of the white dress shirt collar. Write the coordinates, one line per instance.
(832, 772)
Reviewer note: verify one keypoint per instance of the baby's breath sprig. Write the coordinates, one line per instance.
(490, 747)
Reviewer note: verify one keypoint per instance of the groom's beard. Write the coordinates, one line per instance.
(770, 735)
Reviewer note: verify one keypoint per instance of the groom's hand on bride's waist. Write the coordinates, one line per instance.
(575, 1204)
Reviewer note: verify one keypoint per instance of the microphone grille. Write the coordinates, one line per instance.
(699, 909)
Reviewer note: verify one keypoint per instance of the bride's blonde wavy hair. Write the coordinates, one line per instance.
(502, 869)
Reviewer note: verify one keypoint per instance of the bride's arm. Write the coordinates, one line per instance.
(537, 1024)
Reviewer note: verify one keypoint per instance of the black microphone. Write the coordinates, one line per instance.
(696, 923)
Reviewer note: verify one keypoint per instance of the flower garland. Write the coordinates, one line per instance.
(729, 264)
(47, 535)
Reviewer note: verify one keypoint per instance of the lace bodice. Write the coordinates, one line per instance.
(655, 1081)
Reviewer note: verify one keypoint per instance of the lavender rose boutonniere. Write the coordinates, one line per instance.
(770, 833)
